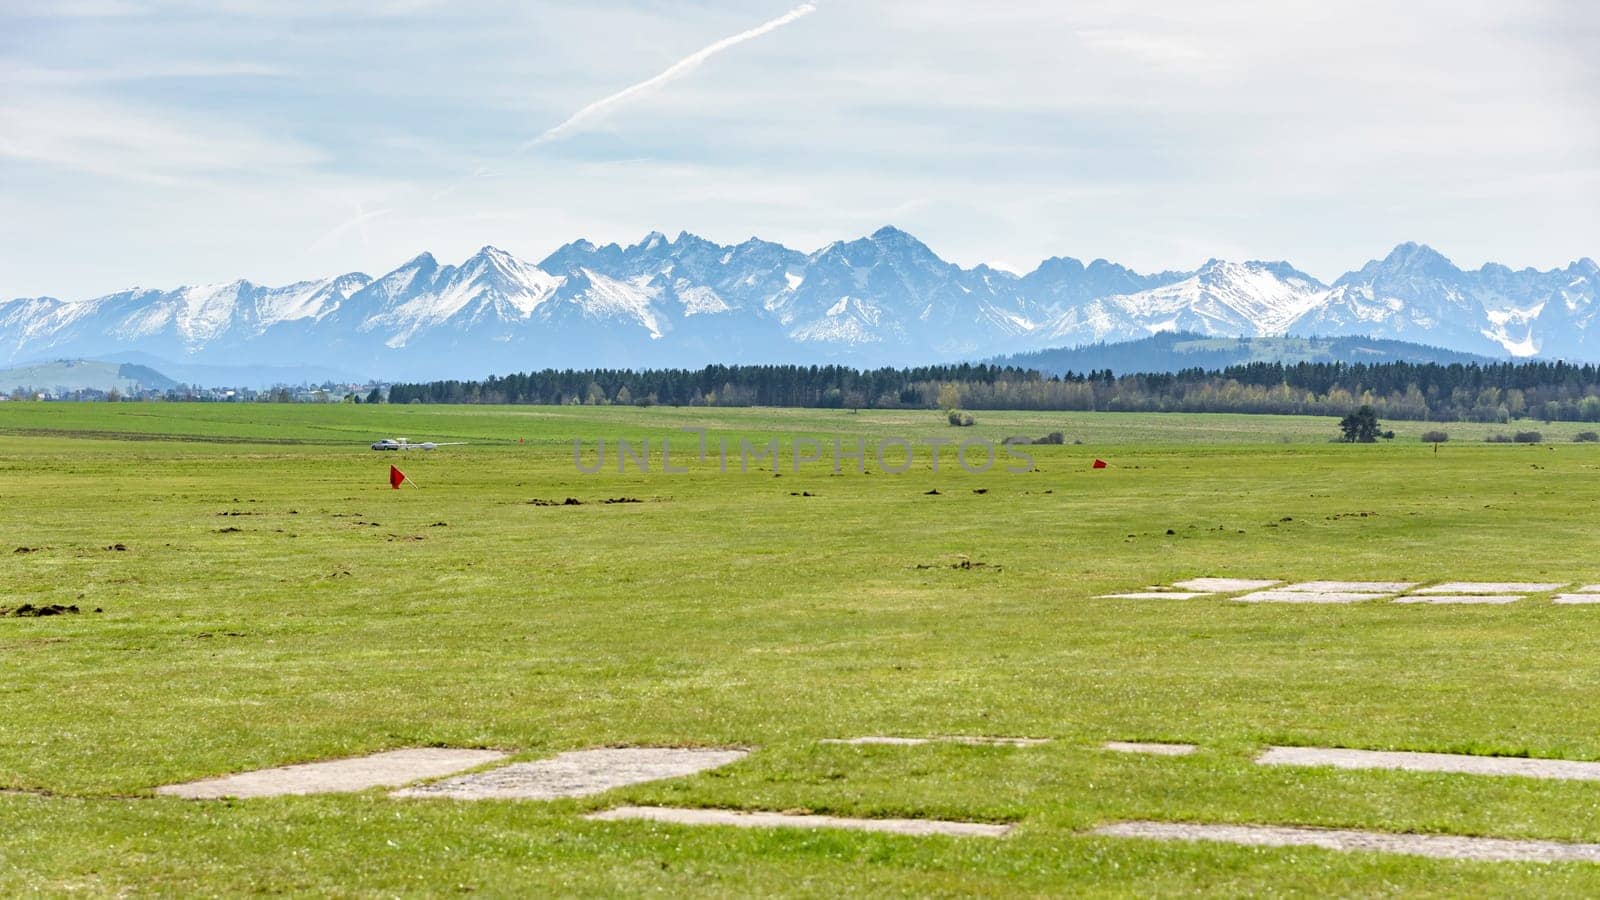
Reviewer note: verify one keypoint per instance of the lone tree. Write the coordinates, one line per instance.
(1361, 426)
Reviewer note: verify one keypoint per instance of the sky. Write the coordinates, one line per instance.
(167, 142)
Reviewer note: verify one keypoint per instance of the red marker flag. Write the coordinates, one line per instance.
(1099, 464)
(396, 478)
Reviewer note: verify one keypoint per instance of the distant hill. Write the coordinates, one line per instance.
(68, 375)
(256, 377)
(1173, 351)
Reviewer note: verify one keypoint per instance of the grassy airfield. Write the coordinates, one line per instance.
(277, 603)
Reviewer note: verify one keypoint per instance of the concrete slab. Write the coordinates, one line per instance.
(742, 819)
(1153, 595)
(1224, 585)
(1437, 846)
(944, 739)
(1459, 763)
(579, 773)
(1589, 589)
(1573, 599)
(1357, 587)
(1154, 749)
(390, 769)
(878, 739)
(1440, 599)
(1489, 587)
(1287, 596)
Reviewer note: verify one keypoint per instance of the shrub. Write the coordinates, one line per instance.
(1054, 437)
(1529, 437)
(1498, 439)
(1586, 437)
(1434, 437)
(959, 419)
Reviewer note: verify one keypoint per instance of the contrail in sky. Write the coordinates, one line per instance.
(677, 70)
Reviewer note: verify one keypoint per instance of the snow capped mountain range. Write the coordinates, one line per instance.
(886, 299)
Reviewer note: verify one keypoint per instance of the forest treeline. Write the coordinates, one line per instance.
(1498, 392)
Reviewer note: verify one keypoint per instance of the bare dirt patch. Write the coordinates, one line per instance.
(743, 819)
(29, 611)
(960, 563)
(389, 769)
(1438, 846)
(1342, 758)
(579, 773)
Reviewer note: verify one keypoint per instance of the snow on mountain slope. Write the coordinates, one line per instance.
(1512, 329)
(1061, 284)
(306, 299)
(205, 311)
(491, 287)
(889, 290)
(883, 299)
(1225, 297)
(1222, 298)
(185, 320)
(699, 300)
(1416, 294)
(630, 301)
(34, 322)
(850, 321)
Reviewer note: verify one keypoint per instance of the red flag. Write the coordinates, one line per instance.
(1099, 464)
(396, 478)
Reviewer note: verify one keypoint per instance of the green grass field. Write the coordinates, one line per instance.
(277, 603)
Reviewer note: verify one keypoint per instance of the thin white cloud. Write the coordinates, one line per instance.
(1149, 47)
(89, 9)
(37, 75)
(599, 108)
(112, 140)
